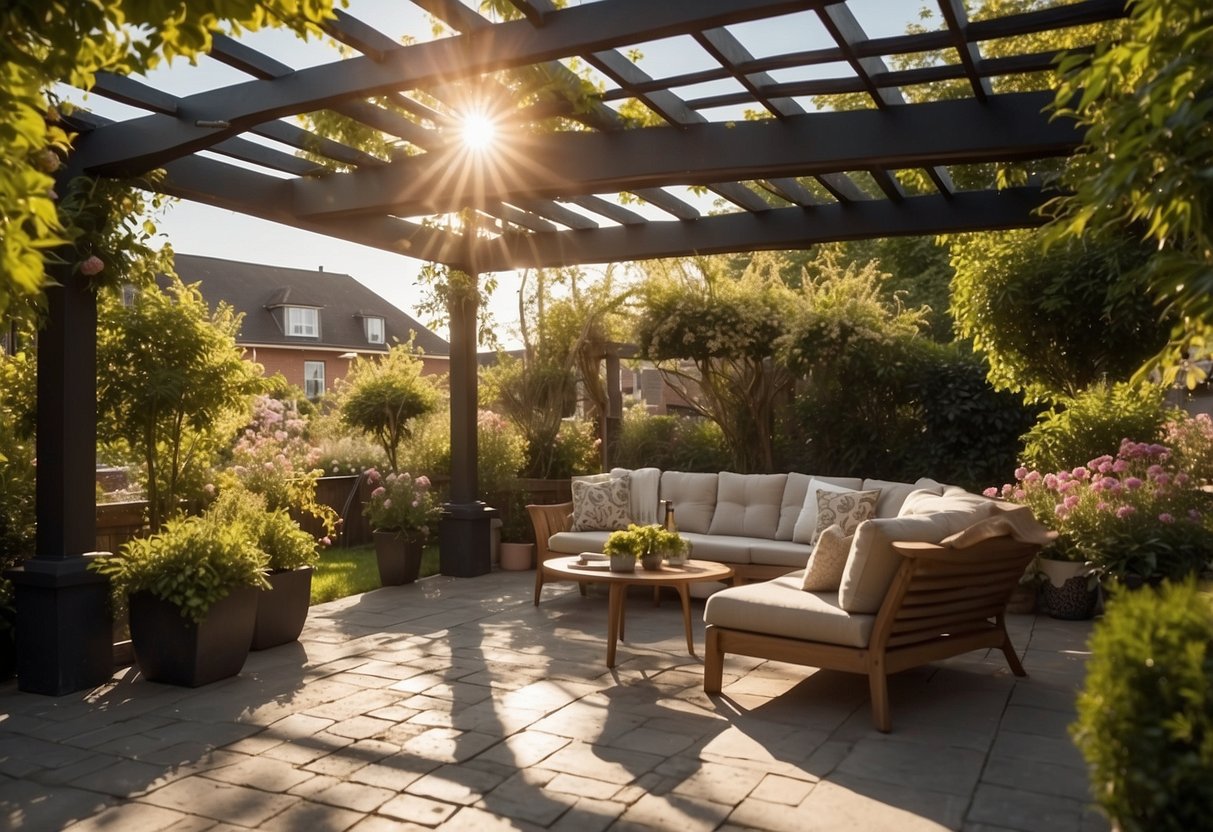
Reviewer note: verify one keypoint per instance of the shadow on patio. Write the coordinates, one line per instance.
(456, 704)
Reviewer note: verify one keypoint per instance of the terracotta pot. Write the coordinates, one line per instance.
(282, 609)
(516, 557)
(398, 557)
(173, 649)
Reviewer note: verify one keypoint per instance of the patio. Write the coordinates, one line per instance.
(456, 704)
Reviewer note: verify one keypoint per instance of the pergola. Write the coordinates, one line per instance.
(787, 178)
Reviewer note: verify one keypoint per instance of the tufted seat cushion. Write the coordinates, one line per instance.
(781, 608)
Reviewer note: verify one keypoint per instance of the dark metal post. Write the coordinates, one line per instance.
(612, 420)
(64, 623)
(464, 538)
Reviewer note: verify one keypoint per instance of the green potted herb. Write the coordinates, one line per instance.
(403, 511)
(192, 590)
(624, 548)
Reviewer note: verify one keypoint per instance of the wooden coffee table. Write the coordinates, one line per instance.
(678, 577)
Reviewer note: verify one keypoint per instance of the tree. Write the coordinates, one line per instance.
(1052, 321)
(724, 327)
(44, 42)
(383, 394)
(1146, 162)
(172, 384)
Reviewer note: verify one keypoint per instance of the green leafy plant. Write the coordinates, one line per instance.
(1135, 517)
(381, 396)
(278, 537)
(402, 503)
(192, 563)
(1145, 716)
(1094, 423)
(624, 543)
(641, 540)
(671, 443)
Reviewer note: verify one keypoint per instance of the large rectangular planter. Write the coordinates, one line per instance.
(282, 609)
(171, 648)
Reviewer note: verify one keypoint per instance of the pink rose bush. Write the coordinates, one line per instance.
(1134, 516)
(402, 503)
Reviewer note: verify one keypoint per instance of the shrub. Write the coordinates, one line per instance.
(1191, 438)
(575, 450)
(500, 452)
(1094, 423)
(672, 443)
(284, 544)
(381, 396)
(1145, 716)
(192, 563)
(402, 503)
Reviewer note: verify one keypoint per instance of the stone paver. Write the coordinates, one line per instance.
(455, 704)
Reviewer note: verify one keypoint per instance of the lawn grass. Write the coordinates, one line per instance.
(343, 572)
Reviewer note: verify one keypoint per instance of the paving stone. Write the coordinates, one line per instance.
(932, 768)
(1025, 811)
(125, 778)
(303, 751)
(238, 805)
(524, 749)
(377, 823)
(675, 811)
(720, 783)
(846, 801)
(1044, 778)
(262, 773)
(134, 817)
(448, 744)
(30, 807)
(455, 784)
(471, 819)
(357, 796)
(612, 765)
(653, 741)
(420, 810)
(315, 817)
(589, 815)
(1036, 749)
(775, 788)
(582, 786)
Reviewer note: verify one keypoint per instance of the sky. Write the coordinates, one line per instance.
(193, 228)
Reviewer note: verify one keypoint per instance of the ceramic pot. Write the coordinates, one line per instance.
(1068, 592)
(623, 563)
(652, 562)
(399, 557)
(516, 557)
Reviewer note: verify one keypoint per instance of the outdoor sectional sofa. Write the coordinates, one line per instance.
(926, 578)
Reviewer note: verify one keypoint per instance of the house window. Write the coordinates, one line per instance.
(302, 322)
(129, 293)
(313, 379)
(374, 330)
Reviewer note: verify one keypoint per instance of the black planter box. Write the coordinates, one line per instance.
(171, 648)
(282, 609)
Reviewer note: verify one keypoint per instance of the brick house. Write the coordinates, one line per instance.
(307, 325)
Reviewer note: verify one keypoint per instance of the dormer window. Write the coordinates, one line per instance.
(302, 322)
(374, 329)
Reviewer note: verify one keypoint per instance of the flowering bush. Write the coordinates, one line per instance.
(402, 503)
(576, 449)
(501, 452)
(1132, 516)
(1192, 440)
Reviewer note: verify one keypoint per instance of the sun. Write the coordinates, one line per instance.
(478, 131)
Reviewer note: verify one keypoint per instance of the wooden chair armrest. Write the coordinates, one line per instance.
(933, 551)
(547, 520)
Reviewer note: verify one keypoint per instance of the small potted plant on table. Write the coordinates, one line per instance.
(403, 511)
(624, 548)
(192, 590)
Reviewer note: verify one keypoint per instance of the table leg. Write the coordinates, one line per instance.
(684, 594)
(614, 620)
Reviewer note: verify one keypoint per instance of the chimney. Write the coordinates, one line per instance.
(322, 268)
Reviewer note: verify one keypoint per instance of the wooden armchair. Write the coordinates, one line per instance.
(943, 602)
(547, 521)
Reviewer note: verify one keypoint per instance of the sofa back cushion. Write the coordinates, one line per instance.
(748, 505)
(929, 502)
(872, 563)
(693, 497)
(893, 494)
(794, 496)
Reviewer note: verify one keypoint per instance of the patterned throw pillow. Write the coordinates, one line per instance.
(846, 509)
(602, 506)
(829, 559)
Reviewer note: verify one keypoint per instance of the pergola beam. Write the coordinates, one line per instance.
(779, 228)
(1006, 128)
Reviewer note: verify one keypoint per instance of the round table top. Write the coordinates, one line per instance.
(689, 572)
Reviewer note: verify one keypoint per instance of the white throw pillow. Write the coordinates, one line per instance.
(806, 525)
(602, 506)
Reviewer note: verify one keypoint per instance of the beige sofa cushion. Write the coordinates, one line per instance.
(779, 553)
(780, 607)
(893, 494)
(721, 548)
(748, 505)
(929, 502)
(693, 497)
(574, 543)
(872, 563)
(794, 495)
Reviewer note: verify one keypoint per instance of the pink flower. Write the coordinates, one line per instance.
(1021, 472)
(1050, 480)
(1068, 485)
(1102, 506)
(1125, 511)
(416, 503)
(1071, 501)
(1162, 479)
(326, 541)
(1120, 466)
(372, 476)
(379, 492)
(1111, 484)
(1032, 477)
(1020, 494)
(209, 489)
(1081, 473)
(1182, 479)
(1061, 511)
(990, 492)
(423, 482)
(1165, 518)
(387, 503)
(93, 265)
(1132, 482)
(1154, 470)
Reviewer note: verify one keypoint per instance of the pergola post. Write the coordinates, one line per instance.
(64, 624)
(612, 420)
(464, 536)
